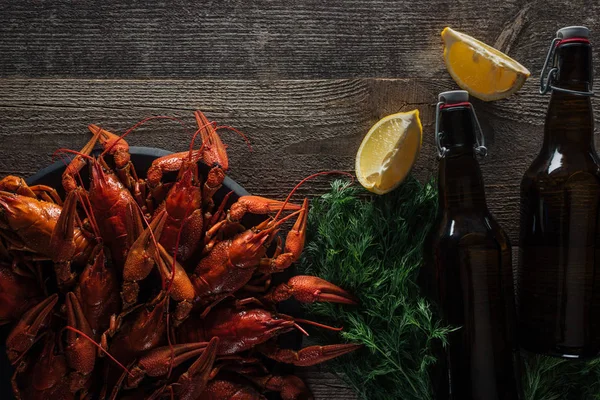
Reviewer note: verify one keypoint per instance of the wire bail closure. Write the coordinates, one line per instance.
(548, 74)
(480, 148)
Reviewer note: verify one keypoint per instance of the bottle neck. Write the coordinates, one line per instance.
(459, 181)
(570, 117)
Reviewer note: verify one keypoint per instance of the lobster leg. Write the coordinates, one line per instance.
(80, 352)
(219, 215)
(46, 193)
(309, 289)
(308, 356)
(25, 333)
(16, 184)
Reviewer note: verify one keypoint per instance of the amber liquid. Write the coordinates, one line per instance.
(469, 276)
(559, 261)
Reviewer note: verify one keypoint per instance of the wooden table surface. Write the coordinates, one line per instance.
(304, 79)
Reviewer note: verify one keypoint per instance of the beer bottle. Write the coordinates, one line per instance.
(469, 271)
(558, 278)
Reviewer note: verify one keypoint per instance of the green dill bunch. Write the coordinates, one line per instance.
(373, 248)
(553, 378)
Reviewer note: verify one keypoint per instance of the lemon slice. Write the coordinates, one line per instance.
(388, 152)
(483, 71)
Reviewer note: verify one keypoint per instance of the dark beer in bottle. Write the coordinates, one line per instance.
(469, 271)
(558, 279)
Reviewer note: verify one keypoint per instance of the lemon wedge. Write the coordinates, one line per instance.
(388, 151)
(483, 71)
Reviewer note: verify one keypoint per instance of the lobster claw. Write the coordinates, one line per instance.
(310, 289)
(80, 351)
(192, 383)
(294, 244)
(182, 291)
(24, 334)
(307, 356)
(258, 205)
(117, 145)
(62, 245)
(141, 259)
(214, 152)
(157, 362)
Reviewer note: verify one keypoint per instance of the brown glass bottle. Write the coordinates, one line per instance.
(558, 291)
(469, 271)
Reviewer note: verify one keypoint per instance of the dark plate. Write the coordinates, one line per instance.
(142, 158)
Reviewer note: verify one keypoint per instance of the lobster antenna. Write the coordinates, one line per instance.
(307, 179)
(231, 128)
(195, 136)
(301, 329)
(171, 348)
(87, 209)
(177, 242)
(273, 224)
(313, 323)
(98, 346)
(63, 151)
(217, 215)
(142, 122)
(37, 339)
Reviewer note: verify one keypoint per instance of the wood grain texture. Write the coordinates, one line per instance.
(304, 79)
(266, 39)
(296, 127)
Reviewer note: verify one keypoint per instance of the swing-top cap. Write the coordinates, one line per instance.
(570, 32)
(453, 97)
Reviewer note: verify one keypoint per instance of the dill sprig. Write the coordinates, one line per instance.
(372, 246)
(552, 378)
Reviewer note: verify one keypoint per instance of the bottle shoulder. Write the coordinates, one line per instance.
(468, 229)
(559, 166)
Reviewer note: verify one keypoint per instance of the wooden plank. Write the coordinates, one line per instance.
(264, 39)
(326, 385)
(296, 127)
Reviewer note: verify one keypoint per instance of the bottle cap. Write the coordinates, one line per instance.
(453, 97)
(550, 69)
(457, 97)
(571, 32)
